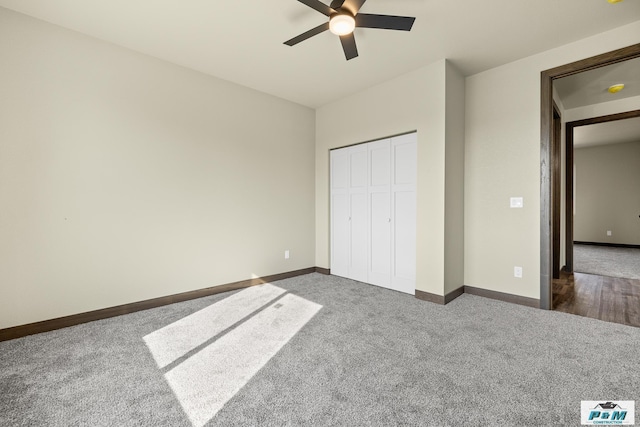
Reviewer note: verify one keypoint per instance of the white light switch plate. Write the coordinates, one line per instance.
(517, 202)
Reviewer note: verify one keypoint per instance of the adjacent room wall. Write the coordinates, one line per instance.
(415, 101)
(502, 160)
(124, 178)
(580, 113)
(606, 193)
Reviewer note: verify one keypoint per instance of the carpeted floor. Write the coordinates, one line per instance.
(607, 261)
(360, 355)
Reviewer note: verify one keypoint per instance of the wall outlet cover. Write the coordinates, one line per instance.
(517, 272)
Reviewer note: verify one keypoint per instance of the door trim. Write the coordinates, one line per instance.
(546, 135)
(556, 183)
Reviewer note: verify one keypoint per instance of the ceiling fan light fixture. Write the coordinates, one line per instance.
(342, 24)
(616, 88)
(344, 16)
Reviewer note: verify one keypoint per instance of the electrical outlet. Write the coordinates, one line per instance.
(608, 232)
(517, 272)
(286, 254)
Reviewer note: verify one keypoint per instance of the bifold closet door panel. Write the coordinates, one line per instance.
(380, 268)
(359, 239)
(404, 208)
(380, 212)
(373, 212)
(340, 200)
(403, 276)
(404, 239)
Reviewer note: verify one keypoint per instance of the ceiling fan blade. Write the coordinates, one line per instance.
(319, 6)
(349, 46)
(387, 22)
(312, 32)
(336, 4)
(353, 5)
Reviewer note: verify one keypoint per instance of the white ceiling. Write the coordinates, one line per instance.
(590, 87)
(616, 132)
(242, 41)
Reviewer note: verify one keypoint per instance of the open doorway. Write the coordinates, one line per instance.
(554, 253)
(604, 154)
(602, 220)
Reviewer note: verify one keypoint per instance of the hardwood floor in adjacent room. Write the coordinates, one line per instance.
(610, 299)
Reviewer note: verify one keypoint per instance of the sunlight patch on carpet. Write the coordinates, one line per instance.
(208, 379)
(177, 339)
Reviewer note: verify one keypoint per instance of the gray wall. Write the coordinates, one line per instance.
(414, 101)
(429, 100)
(454, 180)
(502, 160)
(607, 193)
(124, 178)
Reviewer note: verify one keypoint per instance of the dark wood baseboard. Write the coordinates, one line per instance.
(105, 313)
(611, 245)
(439, 299)
(453, 294)
(501, 296)
(427, 296)
(324, 271)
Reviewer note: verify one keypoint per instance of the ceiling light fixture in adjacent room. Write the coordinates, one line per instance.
(614, 1)
(342, 24)
(616, 88)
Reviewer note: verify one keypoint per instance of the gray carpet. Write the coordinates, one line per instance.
(607, 261)
(369, 356)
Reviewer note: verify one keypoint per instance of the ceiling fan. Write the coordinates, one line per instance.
(344, 18)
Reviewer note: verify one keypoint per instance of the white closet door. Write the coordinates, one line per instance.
(403, 194)
(359, 240)
(380, 212)
(340, 227)
(373, 212)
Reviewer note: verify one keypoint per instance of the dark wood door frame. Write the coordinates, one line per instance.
(546, 157)
(570, 126)
(556, 181)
